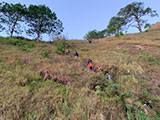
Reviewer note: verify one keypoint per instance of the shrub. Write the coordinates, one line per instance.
(95, 81)
(60, 48)
(145, 53)
(45, 54)
(61, 43)
(121, 33)
(117, 35)
(17, 42)
(22, 44)
(59, 37)
(146, 31)
(31, 45)
(94, 34)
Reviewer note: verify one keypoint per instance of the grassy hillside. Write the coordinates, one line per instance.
(36, 83)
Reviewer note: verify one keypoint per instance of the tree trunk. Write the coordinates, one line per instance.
(139, 26)
(13, 27)
(38, 36)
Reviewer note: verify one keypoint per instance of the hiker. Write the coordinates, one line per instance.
(148, 104)
(76, 54)
(89, 61)
(90, 64)
(99, 69)
(89, 41)
(67, 52)
(109, 77)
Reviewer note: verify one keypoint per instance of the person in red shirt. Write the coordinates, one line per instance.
(99, 69)
(90, 64)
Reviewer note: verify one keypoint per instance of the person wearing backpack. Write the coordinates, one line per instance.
(76, 55)
(90, 64)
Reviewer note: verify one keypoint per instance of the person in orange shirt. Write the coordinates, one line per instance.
(90, 64)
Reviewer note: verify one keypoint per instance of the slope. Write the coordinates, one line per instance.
(37, 83)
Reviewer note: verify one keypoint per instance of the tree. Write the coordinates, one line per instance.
(41, 20)
(101, 34)
(116, 25)
(1, 27)
(94, 34)
(134, 13)
(91, 35)
(10, 16)
(111, 30)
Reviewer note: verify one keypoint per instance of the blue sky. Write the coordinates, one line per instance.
(81, 16)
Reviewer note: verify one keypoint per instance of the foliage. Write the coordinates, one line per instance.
(12, 15)
(41, 20)
(146, 31)
(116, 25)
(111, 30)
(94, 34)
(121, 33)
(147, 26)
(117, 35)
(22, 44)
(134, 12)
(60, 48)
(137, 114)
(91, 35)
(61, 43)
(46, 54)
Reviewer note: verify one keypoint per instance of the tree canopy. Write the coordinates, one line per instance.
(134, 13)
(94, 34)
(38, 19)
(41, 20)
(116, 25)
(10, 16)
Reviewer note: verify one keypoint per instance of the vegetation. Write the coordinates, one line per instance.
(12, 16)
(41, 84)
(134, 13)
(94, 34)
(42, 20)
(38, 18)
(116, 25)
(131, 15)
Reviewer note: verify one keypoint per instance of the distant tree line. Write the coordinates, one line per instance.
(129, 16)
(38, 19)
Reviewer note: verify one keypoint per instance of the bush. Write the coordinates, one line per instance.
(146, 31)
(31, 45)
(117, 35)
(60, 49)
(61, 43)
(94, 34)
(60, 37)
(61, 40)
(121, 33)
(97, 80)
(144, 53)
(46, 54)
(22, 44)
(17, 42)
